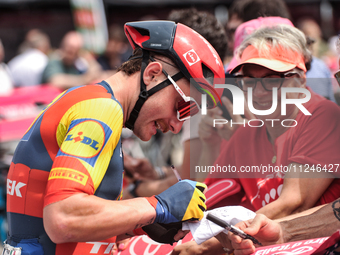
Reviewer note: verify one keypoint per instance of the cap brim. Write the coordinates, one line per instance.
(232, 64)
(272, 64)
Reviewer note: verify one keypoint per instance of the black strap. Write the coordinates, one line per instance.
(144, 94)
(165, 83)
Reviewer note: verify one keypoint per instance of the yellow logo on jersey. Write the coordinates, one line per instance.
(85, 139)
(69, 174)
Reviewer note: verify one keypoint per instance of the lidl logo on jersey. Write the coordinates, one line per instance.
(85, 139)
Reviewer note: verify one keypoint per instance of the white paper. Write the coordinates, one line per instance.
(205, 229)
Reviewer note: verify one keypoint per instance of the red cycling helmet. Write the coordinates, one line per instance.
(191, 52)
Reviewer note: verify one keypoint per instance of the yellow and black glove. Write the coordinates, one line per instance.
(181, 202)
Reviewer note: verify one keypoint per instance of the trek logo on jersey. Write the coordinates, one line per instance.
(85, 139)
(13, 188)
(191, 57)
(68, 174)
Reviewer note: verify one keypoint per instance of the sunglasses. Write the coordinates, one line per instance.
(268, 82)
(337, 76)
(187, 107)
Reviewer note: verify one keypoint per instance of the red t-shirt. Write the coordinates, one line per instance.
(315, 140)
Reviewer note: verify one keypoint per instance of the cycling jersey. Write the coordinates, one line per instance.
(73, 146)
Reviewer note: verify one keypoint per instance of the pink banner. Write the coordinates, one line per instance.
(143, 245)
(316, 246)
(304, 247)
(18, 110)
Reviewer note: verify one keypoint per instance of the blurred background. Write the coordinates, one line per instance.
(56, 17)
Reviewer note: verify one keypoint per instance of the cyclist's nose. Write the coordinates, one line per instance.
(175, 125)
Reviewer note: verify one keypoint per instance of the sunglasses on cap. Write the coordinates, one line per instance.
(186, 107)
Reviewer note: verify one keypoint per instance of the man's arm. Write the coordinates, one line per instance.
(323, 222)
(83, 217)
(298, 194)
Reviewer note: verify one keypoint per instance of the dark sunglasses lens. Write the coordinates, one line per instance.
(187, 109)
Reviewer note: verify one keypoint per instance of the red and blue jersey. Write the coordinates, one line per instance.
(73, 146)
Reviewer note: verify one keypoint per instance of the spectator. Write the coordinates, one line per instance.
(319, 76)
(248, 27)
(276, 145)
(289, 156)
(244, 10)
(115, 49)
(313, 31)
(72, 65)
(66, 174)
(29, 37)
(306, 225)
(27, 67)
(319, 79)
(6, 82)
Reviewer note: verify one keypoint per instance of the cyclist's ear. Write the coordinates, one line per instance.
(152, 73)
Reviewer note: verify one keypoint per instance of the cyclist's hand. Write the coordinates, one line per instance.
(182, 201)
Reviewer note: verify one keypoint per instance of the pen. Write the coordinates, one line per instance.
(176, 172)
(231, 228)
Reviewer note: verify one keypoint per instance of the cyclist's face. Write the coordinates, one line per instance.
(160, 111)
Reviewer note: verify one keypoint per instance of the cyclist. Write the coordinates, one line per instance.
(65, 180)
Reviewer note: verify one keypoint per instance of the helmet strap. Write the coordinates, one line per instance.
(144, 94)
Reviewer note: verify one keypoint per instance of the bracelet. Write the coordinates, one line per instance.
(161, 174)
(132, 188)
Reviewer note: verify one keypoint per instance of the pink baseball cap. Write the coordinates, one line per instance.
(249, 27)
(279, 59)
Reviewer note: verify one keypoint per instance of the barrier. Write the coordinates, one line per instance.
(20, 108)
(143, 245)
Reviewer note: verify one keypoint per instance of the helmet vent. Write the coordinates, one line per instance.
(208, 74)
(142, 31)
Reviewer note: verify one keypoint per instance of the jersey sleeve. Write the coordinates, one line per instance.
(87, 135)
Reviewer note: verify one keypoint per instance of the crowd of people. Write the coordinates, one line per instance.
(69, 164)
(69, 65)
